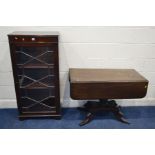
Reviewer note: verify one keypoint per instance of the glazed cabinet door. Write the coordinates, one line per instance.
(36, 76)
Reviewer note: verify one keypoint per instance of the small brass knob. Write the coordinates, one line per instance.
(33, 39)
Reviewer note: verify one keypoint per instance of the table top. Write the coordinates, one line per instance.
(81, 75)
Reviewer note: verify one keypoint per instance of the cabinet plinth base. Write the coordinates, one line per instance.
(24, 117)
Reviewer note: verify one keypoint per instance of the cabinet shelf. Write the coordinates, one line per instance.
(35, 66)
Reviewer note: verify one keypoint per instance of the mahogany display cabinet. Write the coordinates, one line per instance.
(35, 64)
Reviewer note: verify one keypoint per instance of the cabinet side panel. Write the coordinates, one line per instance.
(14, 69)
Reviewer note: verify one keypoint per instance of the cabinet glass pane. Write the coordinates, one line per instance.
(28, 56)
(37, 100)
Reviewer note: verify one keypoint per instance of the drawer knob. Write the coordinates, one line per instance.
(23, 39)
(16, 38)
(33, 39)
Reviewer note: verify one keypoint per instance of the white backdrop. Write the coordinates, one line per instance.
(93, 47)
